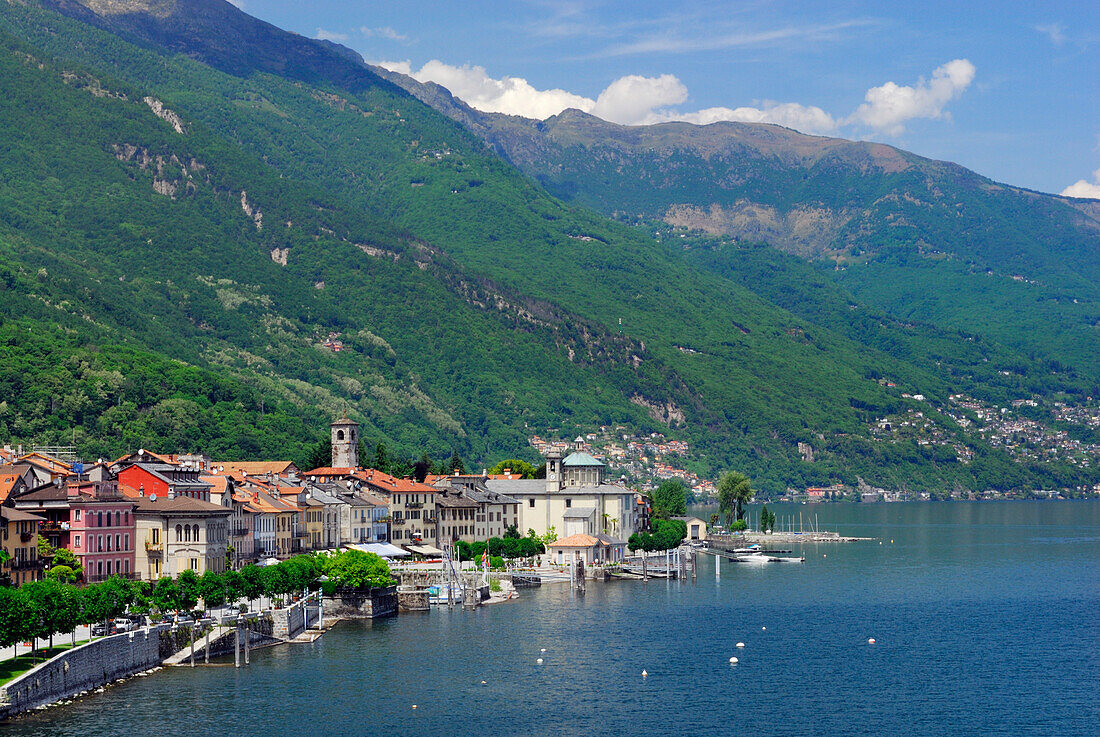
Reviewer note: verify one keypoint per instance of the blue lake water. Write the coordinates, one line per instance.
(985, 617)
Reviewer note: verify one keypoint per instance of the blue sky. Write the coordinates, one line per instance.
(1009, 89)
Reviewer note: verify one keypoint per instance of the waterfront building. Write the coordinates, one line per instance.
(494, 512)
(51, 502)
(180, 533)
(598, 548)
(412, 508)
(456, 515)
(102, 530)
(696, 528)
(19, 531)
(578, 486)
(162, 479)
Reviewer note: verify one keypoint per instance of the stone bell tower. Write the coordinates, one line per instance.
(554, 476)
(345, 443)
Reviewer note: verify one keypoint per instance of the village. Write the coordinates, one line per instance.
(148, 515)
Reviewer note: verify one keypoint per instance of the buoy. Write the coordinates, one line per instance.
(824, 555)
(733, 661)
(763, 628)
(871, 641)
(414, 706)
(740, 644)
(543, 650)
(539, 661)
(483, 683)
(644, 674)
(891, 541)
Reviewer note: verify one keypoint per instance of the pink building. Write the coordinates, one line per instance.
(101, 529)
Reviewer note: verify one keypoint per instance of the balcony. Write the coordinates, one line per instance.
(154, 547)
(301, 534)
(430, 520)
(26, 537)
(414, 505)
(24, 564)
(239, 532)
(54, 528)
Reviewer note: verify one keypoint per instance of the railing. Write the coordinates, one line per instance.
(301, 533)
(49, 527)
(239, 532)
(399, 521)
(26, 537)
(96, 577)
(153, 547)
(414, 505)
(24, 564)
(430, 520)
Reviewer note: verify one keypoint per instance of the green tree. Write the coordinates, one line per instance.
(455, 464)
(166, 595)
(523, 468)
(734, 492)
(211, 588)
(64, 574)
(187, 584)
(355, 569)
(253, 582)
(670, 499)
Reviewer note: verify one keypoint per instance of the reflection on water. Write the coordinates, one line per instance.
(984, 617)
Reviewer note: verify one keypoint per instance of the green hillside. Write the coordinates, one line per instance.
(200, 221)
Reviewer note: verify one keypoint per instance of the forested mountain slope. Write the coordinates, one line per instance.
(224, 199)
(920, 239)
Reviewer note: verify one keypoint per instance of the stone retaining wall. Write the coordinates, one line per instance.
(362, 605)
(83, 668)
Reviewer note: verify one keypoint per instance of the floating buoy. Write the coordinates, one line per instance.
(539, 661)
(414, 706)
(891, 541)
(644, 674)
(871, 641)
(483, 683)
(824, 555)
(542, 650)
(763, 628)
(733, 661)
(740, 644)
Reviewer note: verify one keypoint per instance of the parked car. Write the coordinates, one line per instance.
(122, 624)
(184, 618)
(100, 629)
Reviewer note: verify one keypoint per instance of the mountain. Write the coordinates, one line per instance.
(216, 235)
(920, 239)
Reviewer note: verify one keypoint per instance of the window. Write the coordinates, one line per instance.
(99, 543)
(99, 519)
(127, 541)
(77, 543)
(339, 434)
(568, 503)
(179, 533)
(118, 539)
(126, 566)
(531, 502)
(76, 514)
(118, 519)
(99, 569)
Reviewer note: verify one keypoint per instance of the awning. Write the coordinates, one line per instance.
(424, 550)
(383, 550)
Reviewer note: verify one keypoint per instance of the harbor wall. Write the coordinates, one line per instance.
(379, 602)
(83, 668)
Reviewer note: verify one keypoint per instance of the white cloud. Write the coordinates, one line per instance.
(1083, 188)
(323, 35)
(638, 100)
(383, 32)
(631, 100)
(805, 118)
(1054, 31)
(889, 106)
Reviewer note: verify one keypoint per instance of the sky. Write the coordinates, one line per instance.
(1008, 89)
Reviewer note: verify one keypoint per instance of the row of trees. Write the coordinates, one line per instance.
(509, 546)
(664, 534)
(41, 609)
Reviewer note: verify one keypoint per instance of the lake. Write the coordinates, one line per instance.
(985, 617)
